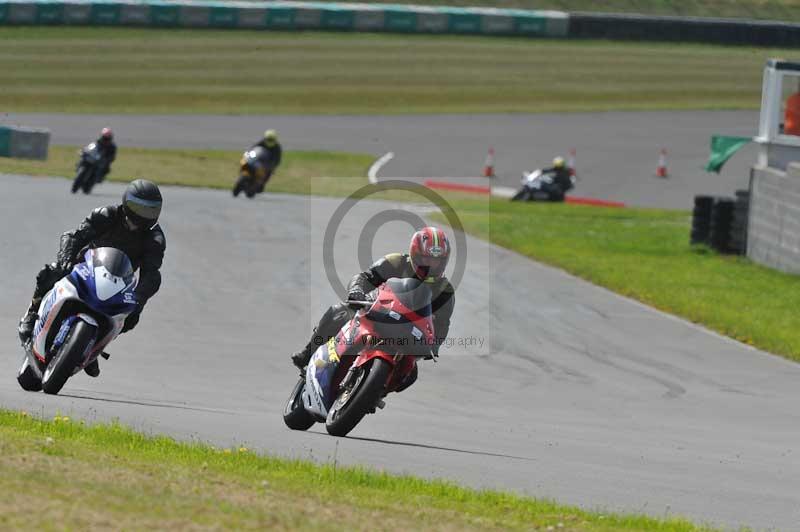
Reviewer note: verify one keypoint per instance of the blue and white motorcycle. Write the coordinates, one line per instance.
(78, 318)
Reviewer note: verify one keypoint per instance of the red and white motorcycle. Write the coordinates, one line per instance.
(373, 354)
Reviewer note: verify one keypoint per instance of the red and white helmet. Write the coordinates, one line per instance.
(429, 252)
(107, 134)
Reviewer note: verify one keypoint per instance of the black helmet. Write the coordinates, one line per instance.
(141, 204)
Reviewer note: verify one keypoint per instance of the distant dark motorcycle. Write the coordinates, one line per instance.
(253, 173)
(540, 186)
(89, 169)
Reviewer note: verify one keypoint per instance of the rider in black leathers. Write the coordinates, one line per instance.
(108, 150)
(420, 263)
(131, 227)
(562, 175)
(272, 149)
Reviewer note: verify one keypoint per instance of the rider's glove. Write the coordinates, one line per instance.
(356, 294)
(63, 266)
(64, 257)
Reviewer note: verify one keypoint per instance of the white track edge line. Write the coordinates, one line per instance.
(372, 173)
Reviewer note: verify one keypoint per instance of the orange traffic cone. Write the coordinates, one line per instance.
(488, 168)
(571, 162)
(661, 169)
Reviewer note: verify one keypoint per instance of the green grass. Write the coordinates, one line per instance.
(109, 477)
(762, 9)
(124, 70)
(341, 172)
(645, 254)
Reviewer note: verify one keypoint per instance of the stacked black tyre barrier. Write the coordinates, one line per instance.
(701, 220)
(738, 241)
(721, 223)
(697, 29)
(721, 218)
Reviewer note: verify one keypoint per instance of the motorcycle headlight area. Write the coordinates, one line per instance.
(107, 284)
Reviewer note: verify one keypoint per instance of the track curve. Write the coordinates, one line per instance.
(617, 152)
(578, 394)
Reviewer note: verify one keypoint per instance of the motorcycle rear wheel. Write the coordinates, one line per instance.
(352, 405)
(69, 356)
(294, 415)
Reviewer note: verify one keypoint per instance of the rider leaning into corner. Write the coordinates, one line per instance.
(108, 150)
(131, 227)
(561, 174)
(426, 260)
(272, 149)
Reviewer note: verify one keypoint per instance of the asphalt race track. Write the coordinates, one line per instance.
(576, 394)
(617, 153)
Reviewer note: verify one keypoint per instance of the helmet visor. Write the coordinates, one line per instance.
(145, 210)
(430, 266)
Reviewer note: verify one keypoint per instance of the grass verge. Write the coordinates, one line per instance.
(141, 482)
(212, 71)
(645, 254)
(211, 168)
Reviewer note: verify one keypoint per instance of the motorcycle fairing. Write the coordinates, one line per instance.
(77, 293)
(50, 308)
(360, 340)
(91, 153)
(251, 164)
(102, 286)
(317, 396)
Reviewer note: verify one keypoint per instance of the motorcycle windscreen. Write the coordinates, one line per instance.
(413, 294)
(115, 261)
(92, 152)
(106, 281)
(252, 156)
(396, 327)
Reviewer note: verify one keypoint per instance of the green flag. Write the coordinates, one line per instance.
(722, 148)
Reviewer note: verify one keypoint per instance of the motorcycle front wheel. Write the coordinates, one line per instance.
(520, 196)
(88, 183)
(69, 356)
(352, 404)
(294, 415)
(239, 185)
(79, 178)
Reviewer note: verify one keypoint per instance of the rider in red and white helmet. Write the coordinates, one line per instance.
(428, 253)
(108, 149)
(426, 260)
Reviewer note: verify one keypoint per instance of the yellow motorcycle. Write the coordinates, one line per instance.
(253, 173)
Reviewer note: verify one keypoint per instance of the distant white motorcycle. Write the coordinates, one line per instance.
(539, 186)
(78, 318)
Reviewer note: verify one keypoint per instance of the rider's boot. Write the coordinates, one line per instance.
(329, 324)
(93, 369)
(28, 321)
(301, 358)
(410, 379)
